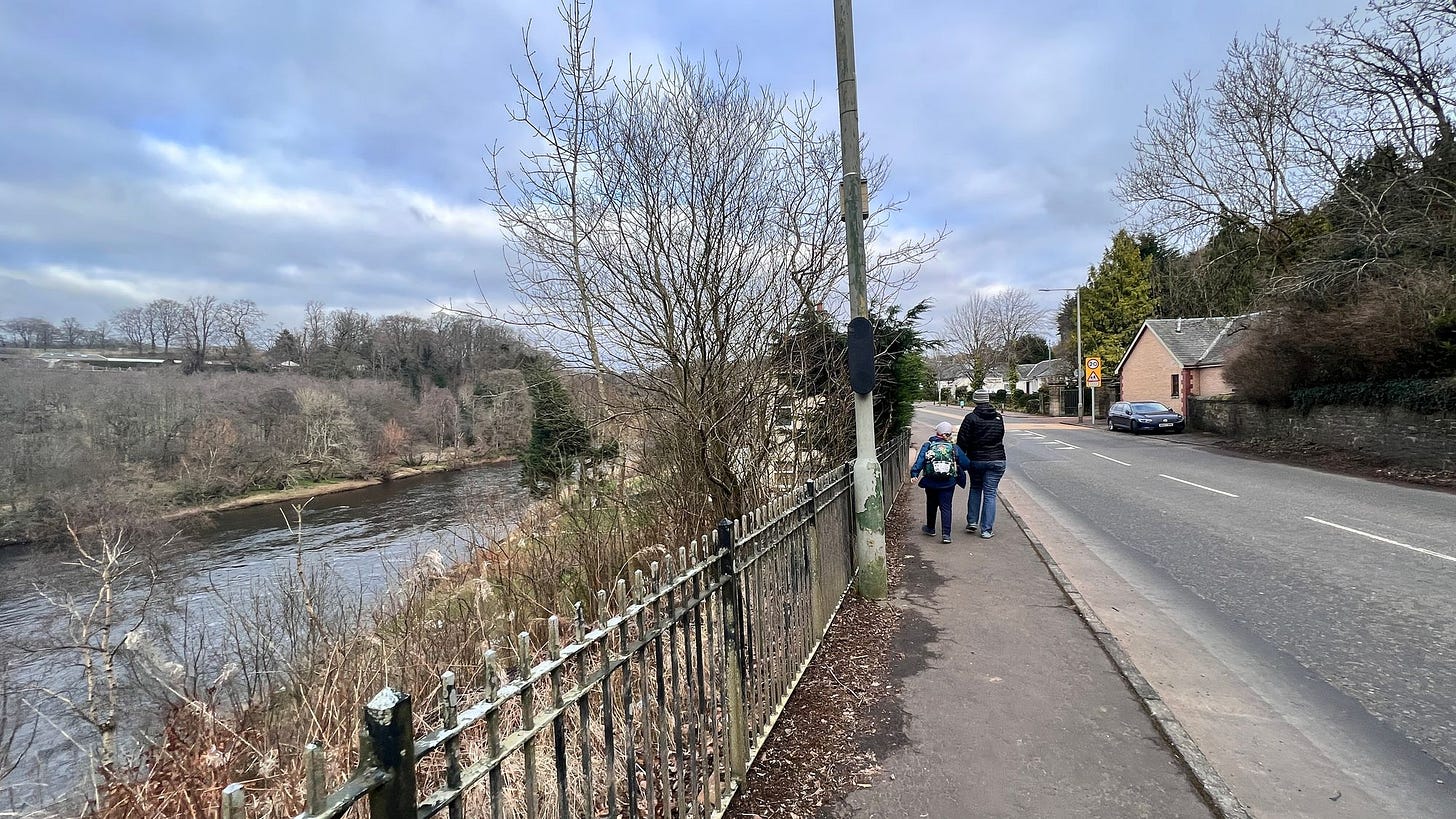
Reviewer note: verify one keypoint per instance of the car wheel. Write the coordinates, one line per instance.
(1178, 428)
(1132, 427)
(1110, 427)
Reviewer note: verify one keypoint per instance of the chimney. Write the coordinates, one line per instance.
(1179, 327)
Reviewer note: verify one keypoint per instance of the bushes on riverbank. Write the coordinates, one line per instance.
(169, 439)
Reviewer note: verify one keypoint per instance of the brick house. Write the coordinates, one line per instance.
(1172, 359)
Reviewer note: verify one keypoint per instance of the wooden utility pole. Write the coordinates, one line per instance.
(871, 579)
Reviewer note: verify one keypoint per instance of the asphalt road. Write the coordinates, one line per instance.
(1306, 621)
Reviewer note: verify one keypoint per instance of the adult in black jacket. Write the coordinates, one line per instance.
(980, 438)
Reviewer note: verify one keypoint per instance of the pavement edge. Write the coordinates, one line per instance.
(1212, 787)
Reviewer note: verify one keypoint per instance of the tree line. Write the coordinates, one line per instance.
(1312, 182)
(443, 349)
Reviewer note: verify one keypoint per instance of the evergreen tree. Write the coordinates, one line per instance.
(813, 361)
(559, 438)
(1117, 299)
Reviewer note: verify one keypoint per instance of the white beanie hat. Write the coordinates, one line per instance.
(943, 428)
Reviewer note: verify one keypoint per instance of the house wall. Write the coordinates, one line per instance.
(1147, 370)
(1210, 381)
(1394, 434)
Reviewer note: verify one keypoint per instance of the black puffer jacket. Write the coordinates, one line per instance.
(981, 433)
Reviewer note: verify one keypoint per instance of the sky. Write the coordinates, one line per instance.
(293, 150)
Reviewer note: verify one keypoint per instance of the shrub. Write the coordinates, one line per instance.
(1423, 395)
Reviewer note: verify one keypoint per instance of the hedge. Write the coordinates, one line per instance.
(1423, 395)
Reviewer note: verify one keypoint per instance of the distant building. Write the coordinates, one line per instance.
(1172, 359)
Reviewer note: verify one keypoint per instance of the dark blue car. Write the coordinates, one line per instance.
(1143, 416)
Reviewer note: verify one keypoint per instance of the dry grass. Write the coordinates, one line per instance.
(301, 659)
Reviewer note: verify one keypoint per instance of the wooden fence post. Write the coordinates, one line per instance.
(733, 647)
(389, 744)
(234, 803)
(315, 784)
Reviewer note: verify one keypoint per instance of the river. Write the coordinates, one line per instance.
(365, 536)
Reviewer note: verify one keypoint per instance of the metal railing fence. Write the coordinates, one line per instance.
(656, 709)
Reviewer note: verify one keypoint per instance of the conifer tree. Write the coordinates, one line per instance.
(1117, 299)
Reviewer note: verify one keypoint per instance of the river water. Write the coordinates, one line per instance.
(365, 537)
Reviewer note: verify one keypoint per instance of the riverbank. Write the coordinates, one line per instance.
(313, 490)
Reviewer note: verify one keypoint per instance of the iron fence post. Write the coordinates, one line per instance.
(389, 744)
(816, 593)
(737, 680)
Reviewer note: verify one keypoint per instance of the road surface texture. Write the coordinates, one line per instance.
(1302, 625)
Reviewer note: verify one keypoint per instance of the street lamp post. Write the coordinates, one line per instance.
(1077, 367)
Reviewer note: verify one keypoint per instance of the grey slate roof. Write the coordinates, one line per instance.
(1040, 369)
(1198, 342)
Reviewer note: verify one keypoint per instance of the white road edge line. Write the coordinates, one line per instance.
(1199, 485)
(1114, 460)
(1384, 539)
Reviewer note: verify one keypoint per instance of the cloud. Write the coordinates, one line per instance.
(285, 152)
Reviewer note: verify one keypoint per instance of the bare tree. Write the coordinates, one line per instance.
(16, 731)
(1234, 153)
(200, 319)
(239, 318)
(972, 333)
(1286, 129)
(1387, 76)
(1013, 313)
(133, 326)
(313, 336)
(31, 332)
(165, 319)
(97, 622)
(549, 203)
(624, 212)
(71, 332)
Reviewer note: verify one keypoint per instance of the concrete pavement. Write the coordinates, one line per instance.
(1013, 705)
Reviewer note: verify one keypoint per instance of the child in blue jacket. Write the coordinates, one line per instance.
(943, 465)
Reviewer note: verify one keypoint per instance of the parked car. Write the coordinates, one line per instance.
(1143, 416)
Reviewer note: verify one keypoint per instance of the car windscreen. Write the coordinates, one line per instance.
(1150, 406)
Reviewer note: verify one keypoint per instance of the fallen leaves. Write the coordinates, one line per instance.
(819, 750)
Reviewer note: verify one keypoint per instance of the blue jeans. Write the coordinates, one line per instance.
(984, 477)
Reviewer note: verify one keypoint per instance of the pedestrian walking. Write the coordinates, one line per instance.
(941, 463)
(980, 438)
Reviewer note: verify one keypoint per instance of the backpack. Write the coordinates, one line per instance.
(941, 459)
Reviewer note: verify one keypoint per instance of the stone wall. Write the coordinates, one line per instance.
(1395, 434)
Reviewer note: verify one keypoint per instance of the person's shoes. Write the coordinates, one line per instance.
(945, 538)
(926, 530)
(986, 533)
(970, 527)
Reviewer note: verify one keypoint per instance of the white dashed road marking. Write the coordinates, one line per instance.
(1114, 460)
(1384, 539)
(1061, 444)
(1199, 485)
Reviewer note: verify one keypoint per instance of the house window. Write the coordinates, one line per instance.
(1174, 379)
